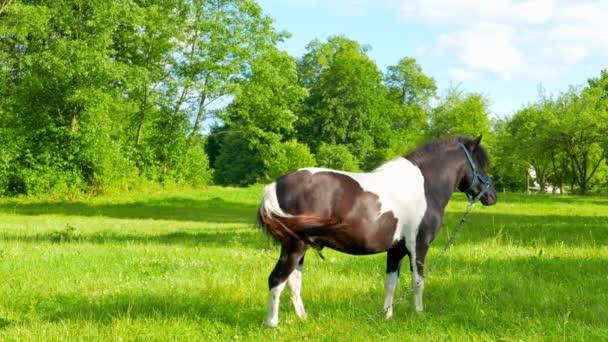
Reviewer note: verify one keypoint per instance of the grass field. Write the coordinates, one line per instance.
(188, 265)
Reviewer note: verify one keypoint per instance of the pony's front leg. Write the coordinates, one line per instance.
(291, 253)
(418, 285)
(418, 274)
(393, 266)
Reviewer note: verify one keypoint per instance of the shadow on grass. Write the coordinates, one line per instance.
(248, 237)
(551, 199)
(170, 208)
(522, 230)
(4, 323)
(527, 230)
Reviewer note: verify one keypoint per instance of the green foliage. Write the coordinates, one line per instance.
(336, 157)
(347, 103)
(509, 169)
(102, 95)
(130, 86)
(266, 100)
(263, 113)
(412, 90)
(286, 157)
(409, 84)
(221, 41)
(237, 162)
(562, 139)
(459, 113)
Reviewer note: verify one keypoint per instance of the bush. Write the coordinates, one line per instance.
(44, 179)
(336, 157)
(288, 156)
(194, 166)
(237, 163)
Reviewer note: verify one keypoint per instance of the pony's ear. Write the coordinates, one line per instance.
(472, 144)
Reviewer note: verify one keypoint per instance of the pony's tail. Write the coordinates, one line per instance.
(282, 226)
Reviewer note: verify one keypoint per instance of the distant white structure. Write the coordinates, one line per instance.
(548, 186)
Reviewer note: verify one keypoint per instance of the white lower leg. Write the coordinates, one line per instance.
(295, 287)
(418, 284)
(390, 285)
(274, 298)
(417, 281)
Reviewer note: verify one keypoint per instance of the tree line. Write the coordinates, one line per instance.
(98, 94)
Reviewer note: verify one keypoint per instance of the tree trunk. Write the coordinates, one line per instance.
(74, 122)
(199, 115)
(4, 5)
(527, 181)
(542, 183)
(584, 189)
(142, 117)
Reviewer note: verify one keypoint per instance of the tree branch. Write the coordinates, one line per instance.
(4, 5)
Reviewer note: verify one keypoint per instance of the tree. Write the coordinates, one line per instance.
(460, 113)
(145, 41)
(409, 84)
(263, 113)
(347, 103)
(411, 91)
(219, 42)
(268, 96)
(582, 125)
(69, 139)
(530, 132)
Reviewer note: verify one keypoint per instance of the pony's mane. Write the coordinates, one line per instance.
(431, 148)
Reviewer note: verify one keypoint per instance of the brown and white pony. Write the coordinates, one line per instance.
(397, 208)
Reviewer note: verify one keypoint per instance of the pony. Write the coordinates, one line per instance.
(397, 208)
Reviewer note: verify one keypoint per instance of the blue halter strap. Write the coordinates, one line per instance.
(477, 177)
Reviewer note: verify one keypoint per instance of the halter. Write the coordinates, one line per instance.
(477, 177)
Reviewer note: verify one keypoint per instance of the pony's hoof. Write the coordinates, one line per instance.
(388, 313)
(272, 323)
(303, 316)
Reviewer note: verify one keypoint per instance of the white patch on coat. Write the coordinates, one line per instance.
(274, 297)
(295, 287)
(270, 202)
(399, 185)
(390, 285)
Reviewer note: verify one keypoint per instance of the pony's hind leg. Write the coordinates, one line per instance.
(291, 253)
(393, 266)
(295, 287)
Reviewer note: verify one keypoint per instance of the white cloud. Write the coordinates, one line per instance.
(484, 49)
(530, 39)
(460, 75)
(347, 7)
(470, 12)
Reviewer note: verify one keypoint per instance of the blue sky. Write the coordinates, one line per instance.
(503, 49)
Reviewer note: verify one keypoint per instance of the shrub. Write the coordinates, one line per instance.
(237, 163)
(288, 156)
(336, 157)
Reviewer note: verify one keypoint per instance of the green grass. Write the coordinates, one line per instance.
(188, 265)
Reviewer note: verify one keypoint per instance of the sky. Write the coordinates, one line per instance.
(503, 49)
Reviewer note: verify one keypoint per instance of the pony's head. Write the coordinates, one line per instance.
(474, 181)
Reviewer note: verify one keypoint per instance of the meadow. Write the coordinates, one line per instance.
(185, 264)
